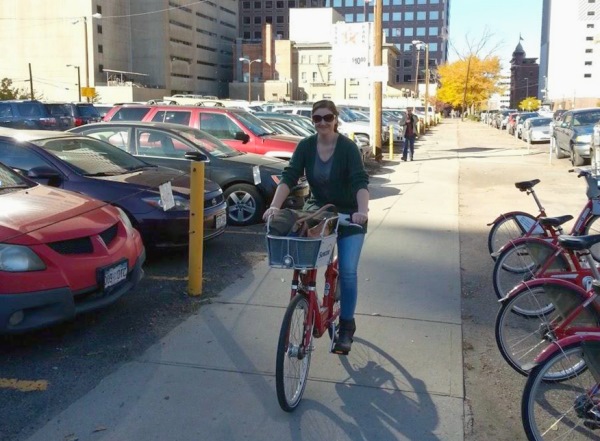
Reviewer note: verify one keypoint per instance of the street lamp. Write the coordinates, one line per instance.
(249, 61)
(418, 44)
(85, 40)
(78, 80)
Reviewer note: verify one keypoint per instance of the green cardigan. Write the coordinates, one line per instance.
(347, 176)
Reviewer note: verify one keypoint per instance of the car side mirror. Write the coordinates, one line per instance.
(196, 156)
(241, 136)
(53, 177)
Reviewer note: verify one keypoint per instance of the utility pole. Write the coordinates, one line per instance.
(377, 85)
(31, 83)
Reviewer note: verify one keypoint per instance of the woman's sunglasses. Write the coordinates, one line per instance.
(327, 118)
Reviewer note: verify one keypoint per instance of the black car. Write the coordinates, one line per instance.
(27, 114)
(79, 113)
(95, 168)
(248, 180)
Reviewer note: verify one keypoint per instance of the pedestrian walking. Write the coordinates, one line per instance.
(411, 128)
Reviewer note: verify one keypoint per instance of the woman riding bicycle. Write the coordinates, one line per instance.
(335, 172)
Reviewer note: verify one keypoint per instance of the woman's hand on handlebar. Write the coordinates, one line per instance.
(360, 218)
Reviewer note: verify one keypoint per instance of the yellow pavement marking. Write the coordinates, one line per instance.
(23, 385)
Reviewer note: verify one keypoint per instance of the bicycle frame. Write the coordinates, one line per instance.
(323, 315)
(557, 346)
(527, 227)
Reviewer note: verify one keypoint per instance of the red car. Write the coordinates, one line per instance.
(61, 254)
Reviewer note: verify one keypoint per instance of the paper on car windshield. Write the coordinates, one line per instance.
(166, 196)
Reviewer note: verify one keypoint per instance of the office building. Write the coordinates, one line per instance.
(570, 55)
(524, 73)
(127, 50)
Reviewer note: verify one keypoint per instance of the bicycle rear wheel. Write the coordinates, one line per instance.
(526, 323)
(566, 410)
(520, 262)
(293, 359)
(510, 227)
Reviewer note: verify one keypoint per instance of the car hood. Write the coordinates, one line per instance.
(154, 176)
(46, 214)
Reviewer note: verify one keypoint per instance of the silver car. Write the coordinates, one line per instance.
(536, 130)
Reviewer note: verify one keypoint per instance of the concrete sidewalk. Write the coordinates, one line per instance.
(212, 378)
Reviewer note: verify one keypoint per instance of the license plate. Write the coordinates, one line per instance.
(221, 221)
(115, 274)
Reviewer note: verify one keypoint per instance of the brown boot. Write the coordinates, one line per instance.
(344, 340)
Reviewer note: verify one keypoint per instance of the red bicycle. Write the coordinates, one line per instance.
(307, 316)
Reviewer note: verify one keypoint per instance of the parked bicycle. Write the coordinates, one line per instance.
(308, 315)
(539, 312)
(567, 409)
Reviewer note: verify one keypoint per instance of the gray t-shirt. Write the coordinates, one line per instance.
(321, 173)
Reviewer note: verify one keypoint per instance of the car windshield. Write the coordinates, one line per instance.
(209, 143)
(10, 180)
(92, 157)
(347, 114)
(255, 125)
(90, 110)
(586, 118)
(535, 122)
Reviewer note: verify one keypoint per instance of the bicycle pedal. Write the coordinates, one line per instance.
(338, 352)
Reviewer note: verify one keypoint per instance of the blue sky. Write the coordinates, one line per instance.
(505, 19)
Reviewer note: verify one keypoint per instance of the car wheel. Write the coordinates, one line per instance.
(245, 205)
(557, 151)
(576, 160)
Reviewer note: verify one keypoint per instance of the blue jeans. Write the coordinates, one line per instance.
(349, 248)
(409, 145)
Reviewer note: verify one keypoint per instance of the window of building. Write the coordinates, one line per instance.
(409, 32)
(280, 19)
(591, 1)
(257, 19)
(257, 34)
(434, 15)
(420, 32)
(422, 2)
(589, 51)
(396, 16)
(407, 78)
(433, 47)
(348, 3)
(434, 2)
(396, 32)
(349, 18)
(329, 77)
(396, 2)
(100, 49)
(397, 78)
(99, 29)
(99, 9)
(589, 38)
(407, 47)
(590, 25)
(303, 77)
(409, 2)
(279, 4)
(386, 17)
(246, 20)
(409, 16)
(246, 5)
(353, 96)
(433, 31)
(269, 19)
(292, 4)
(588, 63)
(590, 13)
(421, 15)
(269, 4)
(247, 35)
(314, 77)
(101, 68)
(407, 62)
(337, 3)
(360, 17)
(587, 75)
(257, 5)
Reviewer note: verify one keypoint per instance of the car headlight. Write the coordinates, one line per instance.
(181, 204)
(17, 258)
(125, 219)
(584, 138)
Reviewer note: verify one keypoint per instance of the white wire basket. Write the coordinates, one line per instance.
(300, 252)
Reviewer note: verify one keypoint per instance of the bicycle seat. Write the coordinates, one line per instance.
(554, 221)
(578, 242)
(526, 185)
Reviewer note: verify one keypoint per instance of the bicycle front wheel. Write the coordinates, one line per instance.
(293, 358)
(566, 410)
(510, 227)
(527, 322)
(520, 262)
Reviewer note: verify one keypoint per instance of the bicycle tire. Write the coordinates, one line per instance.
(593, 227)
(293, 361)
(549, 410)
(522, 332)
(506, 229)
(519, 262)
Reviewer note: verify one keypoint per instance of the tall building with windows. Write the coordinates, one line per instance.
(403, 22)
(570, 54)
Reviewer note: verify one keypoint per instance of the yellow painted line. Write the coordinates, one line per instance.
(23, 385)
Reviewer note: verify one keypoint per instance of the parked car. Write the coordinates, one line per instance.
(100, 170)
(248, 180)
(303, 121)
(285, 127)
(27, 114)
(235, 127)
(520, 120)
(80, 113)
(536, 130)
(62, 114)
(572, 134)
(61, 254)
